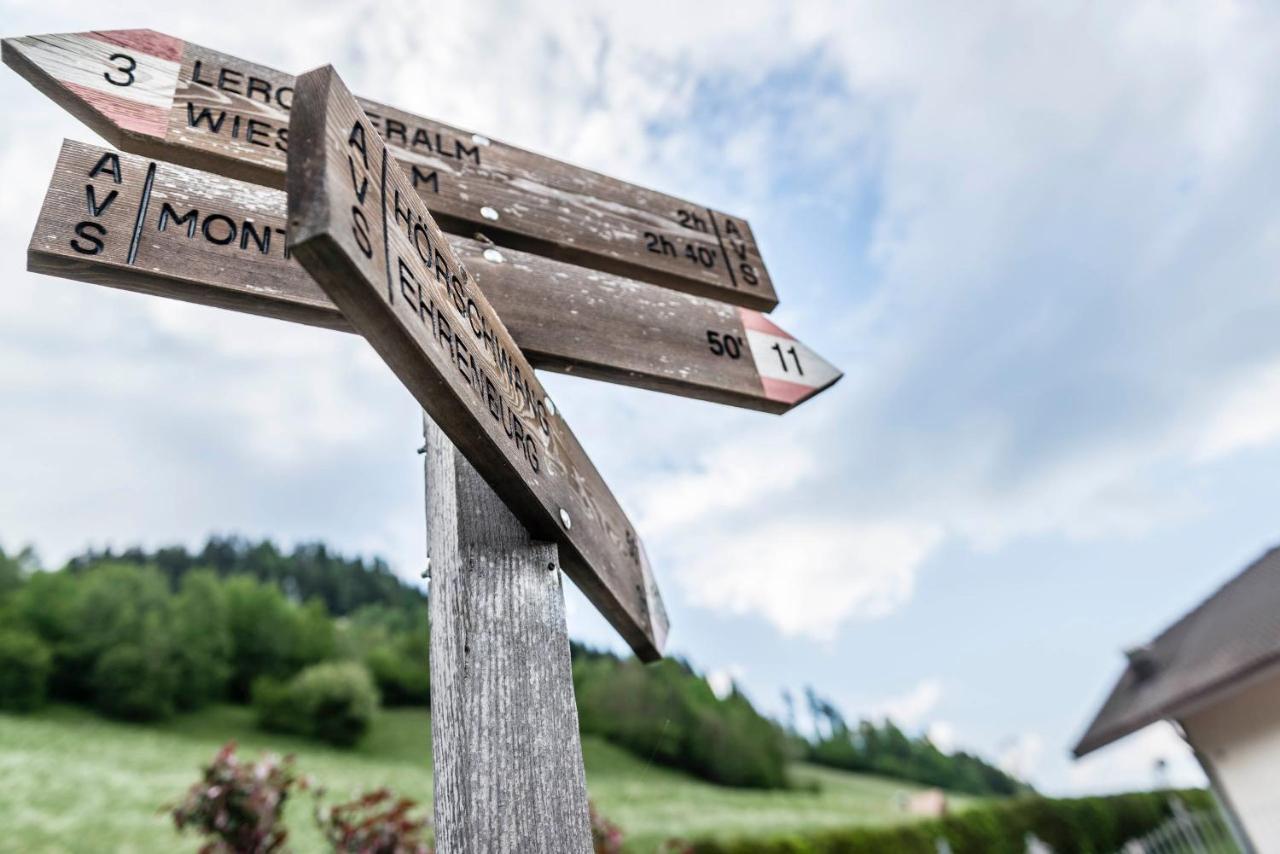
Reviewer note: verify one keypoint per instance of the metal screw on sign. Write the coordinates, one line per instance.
(488, 213)
(564, 518)
(551, 407)
(493, 256)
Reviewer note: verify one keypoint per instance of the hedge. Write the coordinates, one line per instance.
(25, 664)
(333, 702)
(1085, 825)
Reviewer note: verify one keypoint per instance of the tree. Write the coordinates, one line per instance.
(202, 640)
(123, 641)
(47, 604)
(314, 639)
(14, 569)
(885, 749)
(25, 663)
(262, 633)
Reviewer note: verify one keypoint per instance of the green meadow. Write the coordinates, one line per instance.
(73, 781)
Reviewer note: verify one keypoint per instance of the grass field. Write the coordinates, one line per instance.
(71, 781)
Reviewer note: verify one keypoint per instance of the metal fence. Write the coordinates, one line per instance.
(1186, 832)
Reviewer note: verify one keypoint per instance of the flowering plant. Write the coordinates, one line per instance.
(375, 823)
(239, 805)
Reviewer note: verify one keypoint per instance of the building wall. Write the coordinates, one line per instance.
(1240, 737)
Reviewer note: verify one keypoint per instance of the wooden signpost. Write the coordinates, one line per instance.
(511, 496)
(163, 97)
(217, 241)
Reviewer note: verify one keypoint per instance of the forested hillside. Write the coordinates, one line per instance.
(882, 748)
(310, 571)
(143, 635)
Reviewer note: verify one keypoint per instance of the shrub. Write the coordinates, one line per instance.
(606, 837)
(394, 643)
(25, 664)
(375, 823)
(403, 680)
(239, 806)
(133, 683)
(333, 702)
(120, 649)
(1082, 824)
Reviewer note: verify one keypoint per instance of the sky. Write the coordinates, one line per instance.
(1041, 240)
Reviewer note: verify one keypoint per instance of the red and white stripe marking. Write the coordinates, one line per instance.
(789, 371)
(146, 62)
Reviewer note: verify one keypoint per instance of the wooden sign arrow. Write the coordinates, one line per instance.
(158, 96)
(365, 236)
(142, 225)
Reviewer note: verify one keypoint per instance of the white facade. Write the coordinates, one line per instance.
(1238, 739)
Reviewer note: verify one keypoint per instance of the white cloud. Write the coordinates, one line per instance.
(1248, 415)
(943, 735)
(723, 679)
(733, 478)
(806, 576)
(1020, 754)
(1135, 763)
(911, 709)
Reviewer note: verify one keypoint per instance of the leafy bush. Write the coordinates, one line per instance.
(121, 643)
(402, 680)
(375, 823)
(1099, 824)
(133, 683)
(333, 702)
(394, 643)
(25, 664)
(239, 806)
(666, 712)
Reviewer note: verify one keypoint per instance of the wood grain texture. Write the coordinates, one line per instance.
(231, 116)
(504, 726)
(232, 254)
(367, 239)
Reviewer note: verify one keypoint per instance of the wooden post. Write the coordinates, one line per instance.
(504, 726)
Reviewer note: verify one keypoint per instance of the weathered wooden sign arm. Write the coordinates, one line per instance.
(217, 241)
(159, 96)
(360, 231)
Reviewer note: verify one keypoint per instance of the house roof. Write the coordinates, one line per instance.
(1229, 637)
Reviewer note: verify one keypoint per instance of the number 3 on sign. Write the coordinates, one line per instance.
(782, 357)
(126, 67)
